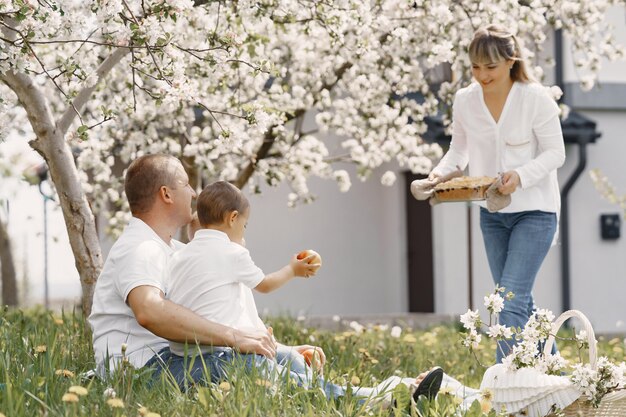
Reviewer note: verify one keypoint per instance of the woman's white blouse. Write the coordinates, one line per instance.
(527, 138)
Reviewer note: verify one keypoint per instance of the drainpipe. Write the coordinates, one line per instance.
(565, 272)
(582, 142)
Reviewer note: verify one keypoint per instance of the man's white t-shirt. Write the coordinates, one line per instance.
(213, 277)
(138, 257)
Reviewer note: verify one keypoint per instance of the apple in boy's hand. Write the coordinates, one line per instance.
(317, 259)
(312, 358)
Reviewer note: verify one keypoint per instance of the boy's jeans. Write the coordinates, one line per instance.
(516, 245)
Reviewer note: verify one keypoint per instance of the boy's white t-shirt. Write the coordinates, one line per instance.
(138, 257)
(214, 277)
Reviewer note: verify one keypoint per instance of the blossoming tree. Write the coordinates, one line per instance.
(247, 91)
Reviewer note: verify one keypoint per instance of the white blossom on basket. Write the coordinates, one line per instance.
(594, 384)
(472, 322)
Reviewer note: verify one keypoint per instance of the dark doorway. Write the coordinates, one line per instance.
(420, 251)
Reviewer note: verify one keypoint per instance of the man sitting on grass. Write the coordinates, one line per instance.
(129, 305)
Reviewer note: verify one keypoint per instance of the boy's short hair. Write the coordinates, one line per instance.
(145, 176)
(219, 199)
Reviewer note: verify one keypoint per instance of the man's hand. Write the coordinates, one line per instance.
(261, 342)
(510, 182)
(179, 324)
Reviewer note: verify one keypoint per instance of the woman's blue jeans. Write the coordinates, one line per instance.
(516, 245)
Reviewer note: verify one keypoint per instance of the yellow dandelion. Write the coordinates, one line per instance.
(143, 411)
(374, 361)
(78, 390)
(2, 415)
(69, 397)
(224, 386)
(409, 338)
(446, 391)
(64, 372)
(58, 321)
(362, 350)
(486, 394)
(115, 403)
(263, 383)
(355, 380)
(428, 339)
(342, 348)
(41, 349)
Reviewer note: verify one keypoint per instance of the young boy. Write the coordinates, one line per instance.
(214, 275)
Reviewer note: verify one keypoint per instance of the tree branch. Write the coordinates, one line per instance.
(269, 138)
(81, 99)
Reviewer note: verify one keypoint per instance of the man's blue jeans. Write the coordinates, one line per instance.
(516, 245)
(215, 366)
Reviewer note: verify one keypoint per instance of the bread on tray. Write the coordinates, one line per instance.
(463, 188)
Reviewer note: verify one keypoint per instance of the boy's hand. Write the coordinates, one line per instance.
(304, 267)
(318, 350)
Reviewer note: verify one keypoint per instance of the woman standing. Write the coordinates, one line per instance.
(507, 124)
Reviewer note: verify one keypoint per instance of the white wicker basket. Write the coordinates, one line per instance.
(614, 403)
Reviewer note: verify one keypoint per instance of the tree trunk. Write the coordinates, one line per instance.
(50, 143)
(9, 283)
(79, 219)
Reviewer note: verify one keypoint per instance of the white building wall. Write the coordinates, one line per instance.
(361, 236)
(598, 267)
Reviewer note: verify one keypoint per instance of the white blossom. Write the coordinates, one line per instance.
(551, 364)
(388, 179)
(357, 327)
(499, 331)
(472, 339)
(494, 303)
(471, 319)
(343, 180)
(218, 82)
(396, 331)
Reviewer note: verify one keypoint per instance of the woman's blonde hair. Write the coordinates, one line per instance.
(494, 44)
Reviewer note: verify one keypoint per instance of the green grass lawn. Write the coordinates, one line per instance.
(43, 354)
